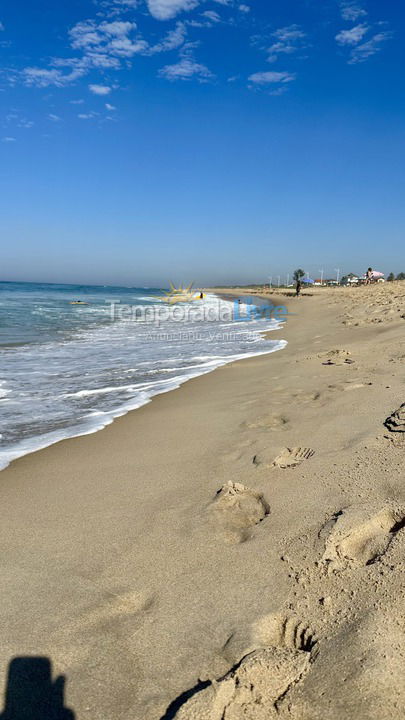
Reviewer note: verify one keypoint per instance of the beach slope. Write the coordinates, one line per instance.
(233, 549)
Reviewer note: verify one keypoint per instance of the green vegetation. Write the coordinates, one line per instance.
(298, 275)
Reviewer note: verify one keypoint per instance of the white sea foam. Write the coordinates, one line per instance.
(76, 381)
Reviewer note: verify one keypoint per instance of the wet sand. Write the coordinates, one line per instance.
(255, 514)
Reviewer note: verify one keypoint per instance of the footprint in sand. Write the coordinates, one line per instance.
(239, 453)
(396, 439)
(347, 386)
(360, 535)
(291, 457)
(302, 396)
(336, 357)
(397, 358)
(114, 615)
(111, 610)
(396, 421)
(347, 361)
(256, 686)
(284, 631)
(356, 386)
(236, 509)
(268, 422)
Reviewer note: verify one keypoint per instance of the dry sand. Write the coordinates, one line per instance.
(282, 595)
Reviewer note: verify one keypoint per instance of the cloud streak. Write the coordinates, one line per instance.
(43, 77)
(167, 9)
(112, 41)
(351, 11)
(87, 116)
(100, 89)
(103, 46)
(354, 39)
(186, 69)
(365, 50)
(270, 78)
(353, 36)
(287, 40)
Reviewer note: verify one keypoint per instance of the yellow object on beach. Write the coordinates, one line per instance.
(78, 302)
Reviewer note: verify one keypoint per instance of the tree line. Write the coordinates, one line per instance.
(391, 277)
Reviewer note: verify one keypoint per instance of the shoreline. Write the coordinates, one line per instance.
(123, 569)
(70, 432)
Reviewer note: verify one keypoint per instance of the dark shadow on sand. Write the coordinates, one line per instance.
(182, 699)
(31, 694)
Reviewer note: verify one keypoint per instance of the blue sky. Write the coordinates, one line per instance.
(206, 140)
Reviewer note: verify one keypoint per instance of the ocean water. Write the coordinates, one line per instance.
(69, 370)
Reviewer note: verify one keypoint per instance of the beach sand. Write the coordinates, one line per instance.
(234, 549)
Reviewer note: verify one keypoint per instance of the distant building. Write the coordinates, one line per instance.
(350, 279)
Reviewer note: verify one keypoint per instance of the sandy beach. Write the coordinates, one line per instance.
(235, 548)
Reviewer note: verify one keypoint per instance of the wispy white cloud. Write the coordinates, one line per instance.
(87, 116)
(211, 15)
(174, 39)
(100, 89)
(362, 52)
(103, 46)
(8, 139)
(110, 40)
(352, 10)
(353, 36)
(76, 102)
(15, 119)
(289, 34)
(26, 124)
(269, 78)
(53, 117)
(287, 40)
(110, 107)
(106, 39)
(186, 69)
(167, 9)
(112, 8)
(278, 90)
(123, 4)
(43, 77)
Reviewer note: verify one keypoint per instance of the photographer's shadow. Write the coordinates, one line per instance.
(31, 694)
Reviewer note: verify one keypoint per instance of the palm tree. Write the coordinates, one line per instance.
(298, 275)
